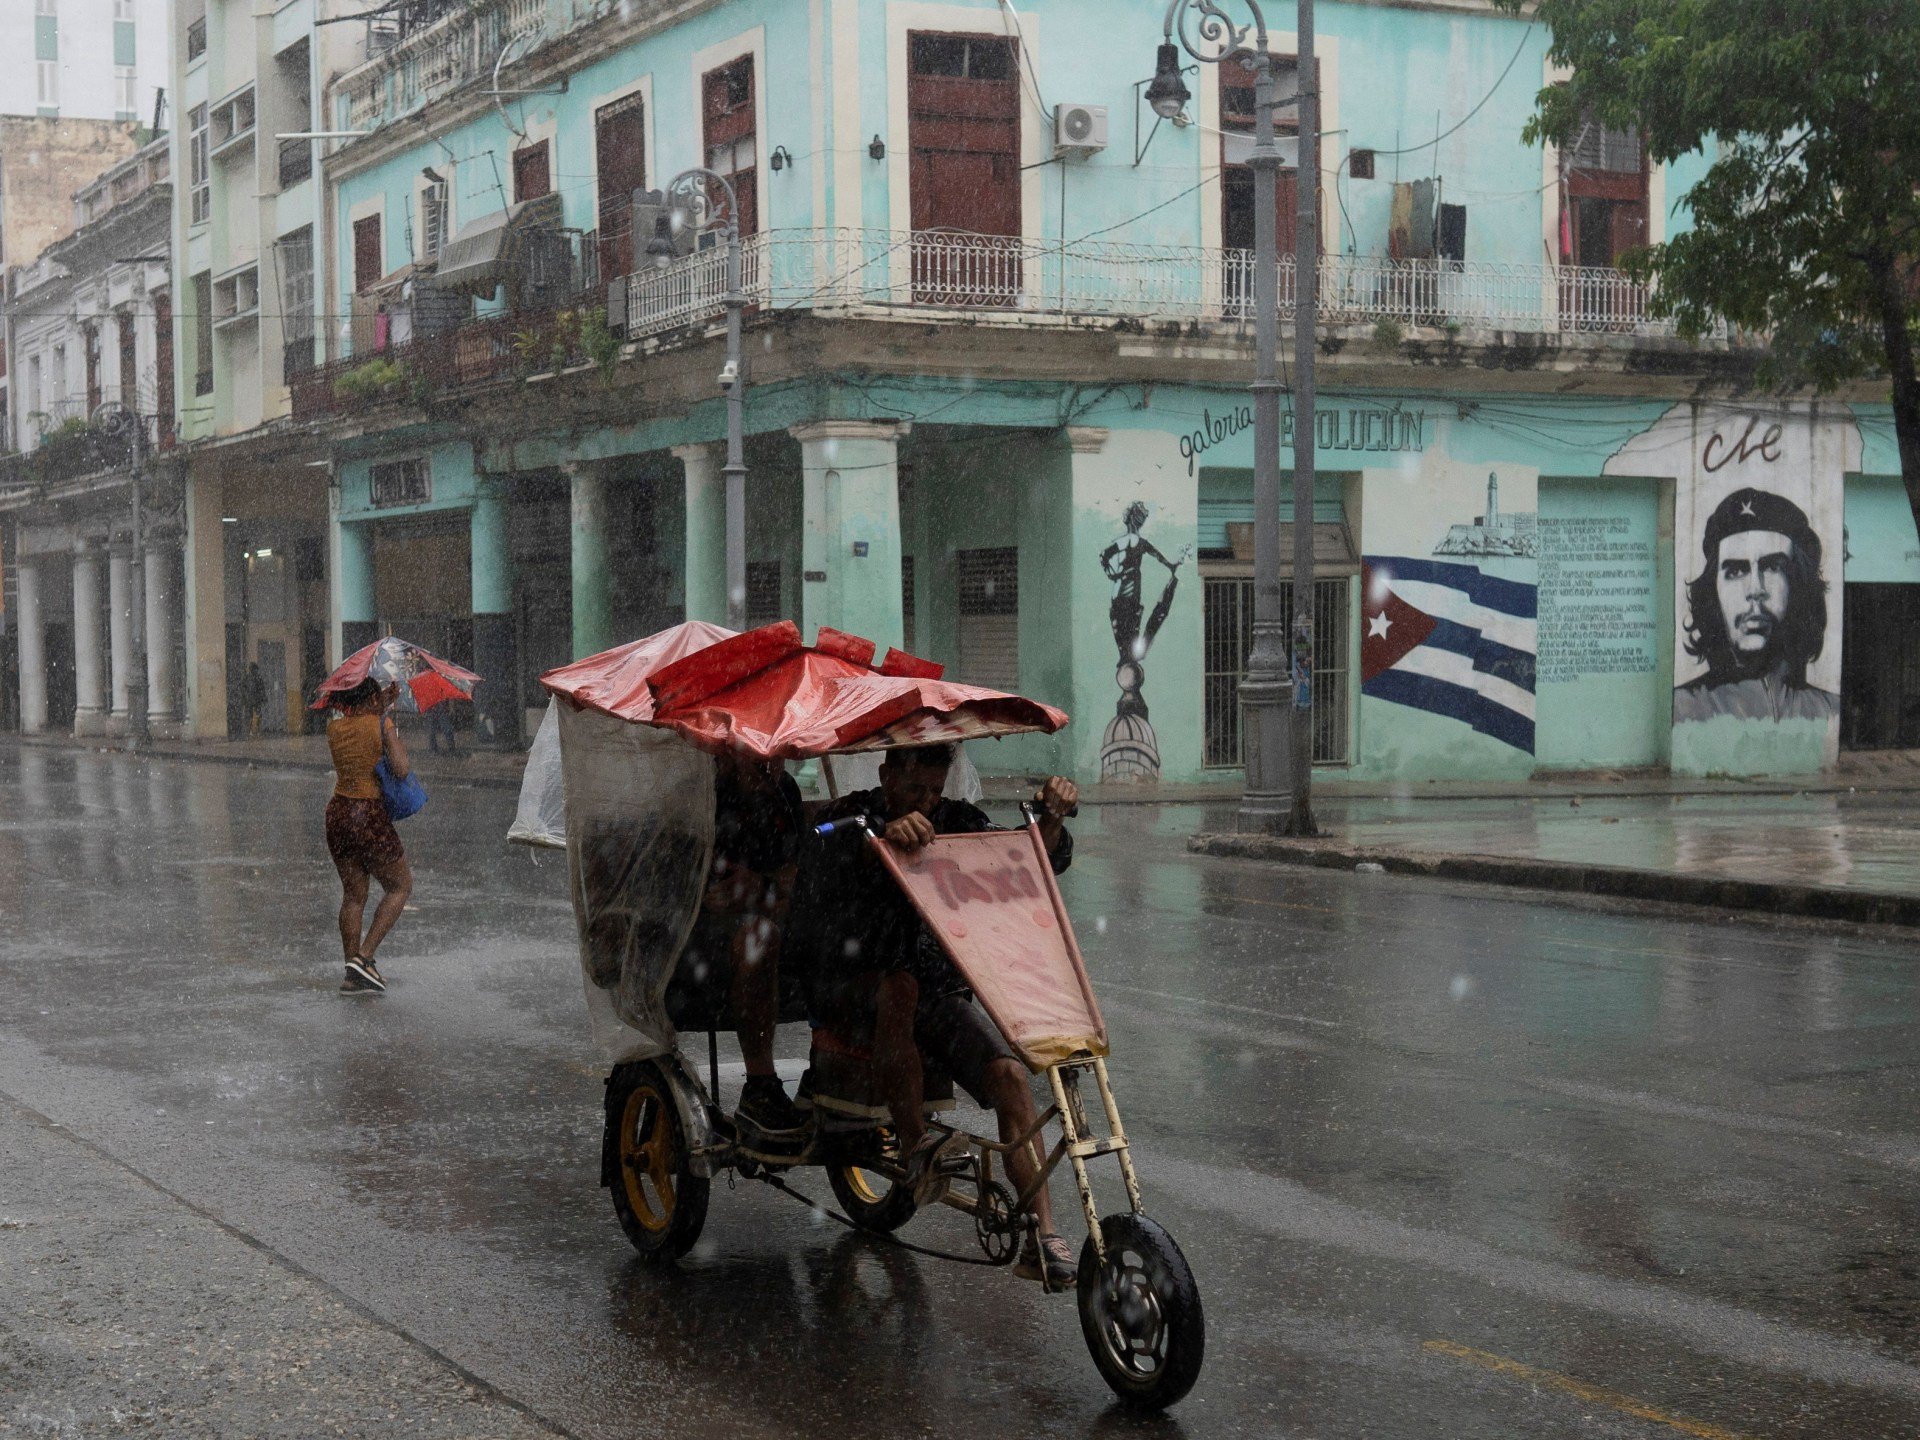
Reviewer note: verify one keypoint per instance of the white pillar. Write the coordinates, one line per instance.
(120, 627)
(33, 647)
(163, 618)
(89, 669)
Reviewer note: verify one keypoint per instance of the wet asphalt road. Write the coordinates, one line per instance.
(1447, 1161)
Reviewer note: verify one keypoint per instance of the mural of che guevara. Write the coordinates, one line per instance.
(1757, 614)
(1129, 750)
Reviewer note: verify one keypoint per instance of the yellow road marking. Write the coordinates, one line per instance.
(1580, 1390)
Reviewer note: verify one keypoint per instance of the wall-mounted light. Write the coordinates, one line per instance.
(878, 149)
(432, 176)
(780, 159)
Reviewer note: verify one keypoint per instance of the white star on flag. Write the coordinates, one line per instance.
(1379, 625)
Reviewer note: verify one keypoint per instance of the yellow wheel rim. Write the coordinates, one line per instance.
(863, 1182)
(646, 1157)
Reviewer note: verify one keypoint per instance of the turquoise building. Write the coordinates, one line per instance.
(996, 355)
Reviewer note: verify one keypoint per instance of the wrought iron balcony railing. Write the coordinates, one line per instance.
(995, 275)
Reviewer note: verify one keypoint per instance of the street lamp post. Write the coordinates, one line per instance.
(687, 194)
(1277, 690)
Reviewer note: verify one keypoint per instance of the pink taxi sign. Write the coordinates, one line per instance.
(992, 902)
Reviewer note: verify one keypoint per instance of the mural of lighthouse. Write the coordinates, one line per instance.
(1129, 750)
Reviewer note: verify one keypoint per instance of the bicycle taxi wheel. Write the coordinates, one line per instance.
(1140, 1312)
(660, 1202)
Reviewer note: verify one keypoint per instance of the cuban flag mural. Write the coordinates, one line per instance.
(1449, 598)
(1446, 638)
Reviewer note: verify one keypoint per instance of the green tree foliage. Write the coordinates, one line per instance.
(1807, 224)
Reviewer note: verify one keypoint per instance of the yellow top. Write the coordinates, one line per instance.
(356, 745)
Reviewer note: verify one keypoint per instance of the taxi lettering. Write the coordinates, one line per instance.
(999, 883)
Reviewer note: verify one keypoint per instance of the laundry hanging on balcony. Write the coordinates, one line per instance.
(491, 251)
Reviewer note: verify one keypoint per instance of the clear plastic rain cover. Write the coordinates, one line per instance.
(639, 835)
(541, 818)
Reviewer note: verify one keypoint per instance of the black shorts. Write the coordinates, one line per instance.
(952, 1032)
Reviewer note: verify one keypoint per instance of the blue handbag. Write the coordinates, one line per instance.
(401, 797)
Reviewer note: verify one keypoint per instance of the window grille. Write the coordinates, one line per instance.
(1228, 637)
(399, 482)
(906, 603)
(763, 593)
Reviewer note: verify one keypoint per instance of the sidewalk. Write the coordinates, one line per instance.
(1841, 846)
(493, 769)
(1824, 852)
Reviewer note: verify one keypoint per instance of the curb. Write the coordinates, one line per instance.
(1819, 902)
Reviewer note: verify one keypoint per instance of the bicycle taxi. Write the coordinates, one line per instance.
(629, 741)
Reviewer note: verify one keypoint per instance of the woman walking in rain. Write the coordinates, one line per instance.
(360, 834)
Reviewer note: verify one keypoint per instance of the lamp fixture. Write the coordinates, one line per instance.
(660, 248)
(1168, 93)
(780, 159)
(432, 176)
(878, 149)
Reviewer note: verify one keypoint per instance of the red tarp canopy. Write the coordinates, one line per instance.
(766, 694)
(615, 681)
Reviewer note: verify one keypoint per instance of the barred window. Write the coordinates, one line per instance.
(400, 482)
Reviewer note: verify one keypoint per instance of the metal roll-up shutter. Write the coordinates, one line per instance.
(990, 617)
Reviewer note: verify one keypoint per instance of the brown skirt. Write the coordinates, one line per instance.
(360, 831)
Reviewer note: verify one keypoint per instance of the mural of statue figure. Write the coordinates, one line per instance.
(1129, 750)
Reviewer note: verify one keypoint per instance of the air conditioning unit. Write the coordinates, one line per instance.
(1080, 127)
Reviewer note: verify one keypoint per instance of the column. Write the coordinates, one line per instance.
(592, 578)
(119, 628)
(496, 701)
(706, 533)
(851, 546)
(163, 612)
(33, 646)
(355, 621)
(89, 665)
(205, 586)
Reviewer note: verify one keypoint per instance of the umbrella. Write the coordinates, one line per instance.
(766, 694)
(423, 677)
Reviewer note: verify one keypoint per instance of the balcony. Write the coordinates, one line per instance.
(457, 49)
(884, 271)
(70, 451)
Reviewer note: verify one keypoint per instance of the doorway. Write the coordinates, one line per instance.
(1880, 669)
(273, 674)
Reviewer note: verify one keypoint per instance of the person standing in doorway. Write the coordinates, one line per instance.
(253, 697)
(360, 834)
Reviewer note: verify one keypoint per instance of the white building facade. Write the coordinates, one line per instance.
(90, 323)
(83, 59)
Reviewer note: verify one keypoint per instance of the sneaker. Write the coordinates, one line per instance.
(765, 1107)
(1048, 1259)
(362, 979)
(926, 1173)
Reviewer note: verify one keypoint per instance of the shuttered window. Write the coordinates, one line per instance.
(763, 593)
(990, 617)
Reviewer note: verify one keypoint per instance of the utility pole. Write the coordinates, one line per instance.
(138, 736)
(1306, 324)
(1277, 693)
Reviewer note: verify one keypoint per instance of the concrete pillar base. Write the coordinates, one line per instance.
(89, 724)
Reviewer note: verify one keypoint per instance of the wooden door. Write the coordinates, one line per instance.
(963, 168)
(728, 128)
(620, 156)
(367, 256)
(163, 366)
(532, 176)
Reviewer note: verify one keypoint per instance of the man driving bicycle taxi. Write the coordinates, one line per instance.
(881, 978)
